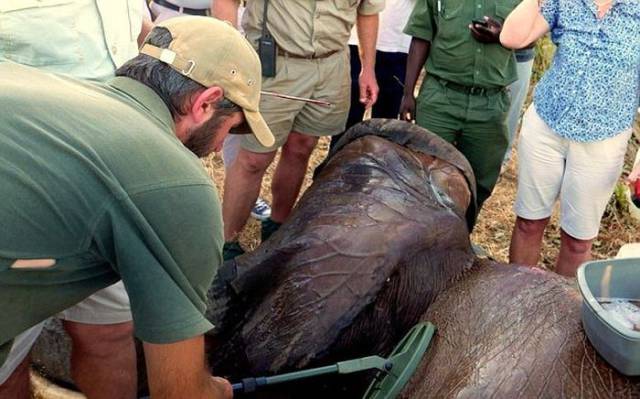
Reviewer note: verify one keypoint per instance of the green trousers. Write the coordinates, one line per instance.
(474, 123)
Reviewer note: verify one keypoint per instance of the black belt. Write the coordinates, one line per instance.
(473, 90)
(307, 57)
(183, 10)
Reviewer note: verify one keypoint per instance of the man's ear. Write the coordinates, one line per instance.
(203, 105)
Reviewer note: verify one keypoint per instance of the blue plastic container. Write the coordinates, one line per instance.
(615, 278)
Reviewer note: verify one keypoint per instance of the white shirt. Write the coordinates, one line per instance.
(161, 13)
(393, 19)
(197, 4)
(84, 38)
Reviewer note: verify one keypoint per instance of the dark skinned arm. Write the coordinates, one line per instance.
(418, 53)
(486, 30)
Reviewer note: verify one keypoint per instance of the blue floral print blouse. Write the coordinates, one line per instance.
(591, 91)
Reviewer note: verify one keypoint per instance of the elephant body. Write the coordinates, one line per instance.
(376, 244)
(511, 331)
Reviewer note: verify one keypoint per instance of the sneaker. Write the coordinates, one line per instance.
(268, 227)
(231, 250)
(479, 251)
(261, 210)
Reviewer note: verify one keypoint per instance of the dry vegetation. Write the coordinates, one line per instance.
(496, 220)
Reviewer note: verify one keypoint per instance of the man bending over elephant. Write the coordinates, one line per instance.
(100, 183)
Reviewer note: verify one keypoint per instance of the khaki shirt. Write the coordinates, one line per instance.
(307, 27)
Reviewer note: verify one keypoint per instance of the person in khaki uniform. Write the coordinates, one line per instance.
(311, 41)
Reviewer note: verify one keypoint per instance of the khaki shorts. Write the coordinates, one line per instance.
(107, 306)
(582, 174)
(325, 79)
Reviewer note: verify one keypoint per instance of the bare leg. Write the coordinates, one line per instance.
(573, 252)
(526, 241)
(241, 189)
(17, 386)
(103, 359)
(290, 173)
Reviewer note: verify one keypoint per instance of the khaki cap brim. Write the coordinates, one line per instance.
(259, 128)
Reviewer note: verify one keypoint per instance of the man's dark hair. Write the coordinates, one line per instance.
(173, 88)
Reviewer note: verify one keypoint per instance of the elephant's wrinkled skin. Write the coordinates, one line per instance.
(379, 235)
(507, 331)
(373, 240)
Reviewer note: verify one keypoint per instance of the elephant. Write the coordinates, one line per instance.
(379, 242)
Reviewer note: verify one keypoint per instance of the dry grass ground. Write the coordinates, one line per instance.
(495, 223)
(496, 219)
(493, 230)
(250, 237)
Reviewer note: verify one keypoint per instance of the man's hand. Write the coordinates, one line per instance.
(486, 31)
(408, 108)
(634, 174)
(367, 28)
(633, 180)
(368, 88)
(223, 386)
(178, 370)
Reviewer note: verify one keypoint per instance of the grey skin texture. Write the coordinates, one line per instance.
(380, 232)
(508, 331)
(377, 243)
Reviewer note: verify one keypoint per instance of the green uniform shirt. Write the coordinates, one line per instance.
(455, 55)
(95, 180)
(307, 27)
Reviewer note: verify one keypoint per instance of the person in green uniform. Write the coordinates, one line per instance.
(463, 97)
(102, 181)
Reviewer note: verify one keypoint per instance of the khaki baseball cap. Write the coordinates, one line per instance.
(213, 53)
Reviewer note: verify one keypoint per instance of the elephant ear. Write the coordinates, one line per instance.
(373, 208)
(329, 285)
(375, 205)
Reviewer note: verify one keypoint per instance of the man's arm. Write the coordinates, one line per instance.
(523, 26)
(367, 26)
(178, 370)
(418, 53)
(226, 10)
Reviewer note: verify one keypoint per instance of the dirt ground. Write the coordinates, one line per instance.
(492, 232)
(495, 222)
(496, 219)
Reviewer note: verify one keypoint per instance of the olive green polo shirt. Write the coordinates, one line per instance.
(455, 55)
(96, 187)
(307, 27)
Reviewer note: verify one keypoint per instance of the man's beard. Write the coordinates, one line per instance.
(201, 139)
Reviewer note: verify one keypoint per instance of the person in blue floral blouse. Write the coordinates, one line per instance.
(574, 135)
